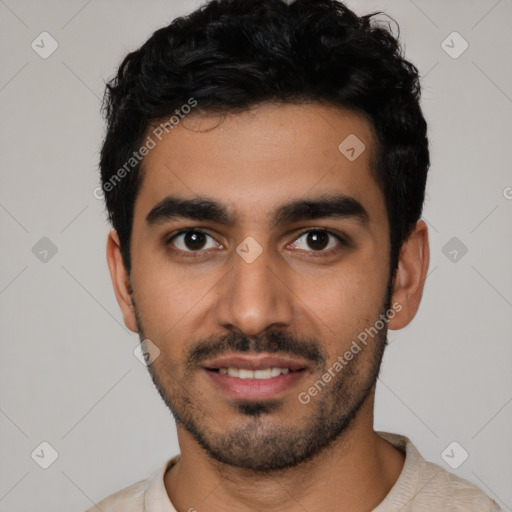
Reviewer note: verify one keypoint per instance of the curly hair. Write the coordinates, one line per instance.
(230, 55)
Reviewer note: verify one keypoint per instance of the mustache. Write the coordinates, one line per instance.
(273, 342)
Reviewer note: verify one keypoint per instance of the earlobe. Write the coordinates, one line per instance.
(121, 280)
(410, 276)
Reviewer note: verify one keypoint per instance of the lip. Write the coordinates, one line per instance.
(255, 363)
(255, 389)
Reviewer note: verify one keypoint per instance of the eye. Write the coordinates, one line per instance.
(318, 240)
(192, 240)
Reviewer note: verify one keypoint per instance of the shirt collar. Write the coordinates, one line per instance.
(157, 500)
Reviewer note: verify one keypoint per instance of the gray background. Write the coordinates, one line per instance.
(68, 374)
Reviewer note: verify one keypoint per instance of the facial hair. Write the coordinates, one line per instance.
(257, 444)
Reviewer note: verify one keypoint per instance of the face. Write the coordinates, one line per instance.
(258, 244)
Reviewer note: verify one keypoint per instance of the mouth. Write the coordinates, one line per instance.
(242, 373)
(255, 378)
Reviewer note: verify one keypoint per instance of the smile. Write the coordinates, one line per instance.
(263, 384)
(243, 373)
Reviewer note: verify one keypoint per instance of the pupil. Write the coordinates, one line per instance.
(315, 240)
(194, 240)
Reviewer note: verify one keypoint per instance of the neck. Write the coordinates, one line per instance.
(356, 472)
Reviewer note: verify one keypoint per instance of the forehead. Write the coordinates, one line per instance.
(255, 160)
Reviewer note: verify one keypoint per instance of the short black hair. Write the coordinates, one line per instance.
(231, 55)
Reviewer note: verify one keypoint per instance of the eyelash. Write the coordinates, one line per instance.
(193, 254)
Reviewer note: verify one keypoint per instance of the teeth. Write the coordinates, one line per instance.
(242, 373)
(266, 374)
(245, 374)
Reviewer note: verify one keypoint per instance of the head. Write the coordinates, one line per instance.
(264, 170)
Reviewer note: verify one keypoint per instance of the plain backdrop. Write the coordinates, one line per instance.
(68, 373)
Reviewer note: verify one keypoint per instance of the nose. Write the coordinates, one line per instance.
(254, 296)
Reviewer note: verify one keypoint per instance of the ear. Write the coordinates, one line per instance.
(120, 280)
(410, 276)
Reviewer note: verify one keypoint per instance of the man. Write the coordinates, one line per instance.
(264, 169)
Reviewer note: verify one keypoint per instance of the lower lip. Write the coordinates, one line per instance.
(255, 389)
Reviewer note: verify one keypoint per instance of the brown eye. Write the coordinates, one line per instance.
(319, 240)
(194, 240)
(191, 241)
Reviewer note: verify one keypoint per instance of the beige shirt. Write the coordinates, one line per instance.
(422, 486)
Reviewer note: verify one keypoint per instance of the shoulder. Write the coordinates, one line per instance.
(129, 499)
(423, 486)
(456, 494)
(147, 494)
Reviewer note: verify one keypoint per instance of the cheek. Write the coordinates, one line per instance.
(346, 299)
(168, 296)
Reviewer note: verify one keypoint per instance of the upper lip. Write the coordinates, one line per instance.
(254, 362)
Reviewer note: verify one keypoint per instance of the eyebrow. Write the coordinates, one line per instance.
(207, 209)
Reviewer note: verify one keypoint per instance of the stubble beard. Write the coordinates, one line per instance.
(258, 444)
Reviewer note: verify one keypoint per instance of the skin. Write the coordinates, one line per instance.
(253, 162)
